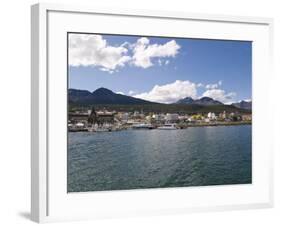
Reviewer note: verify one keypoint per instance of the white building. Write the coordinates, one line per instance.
(125, 116)
(158, 117)
(211, 116)
(171, 117)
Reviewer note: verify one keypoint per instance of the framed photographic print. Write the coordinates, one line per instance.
(142, 113)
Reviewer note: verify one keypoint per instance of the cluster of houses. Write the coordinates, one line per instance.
(104, 120)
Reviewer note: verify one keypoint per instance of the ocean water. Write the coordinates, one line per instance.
(135, 159)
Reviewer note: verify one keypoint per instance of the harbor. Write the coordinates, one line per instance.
(110, 121)
(157, 112)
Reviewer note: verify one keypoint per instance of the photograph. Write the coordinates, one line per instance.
(150, 112)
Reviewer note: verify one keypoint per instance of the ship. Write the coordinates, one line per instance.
(142, 126)
(168, 126)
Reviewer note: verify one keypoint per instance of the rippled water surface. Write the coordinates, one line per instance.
(133, 159)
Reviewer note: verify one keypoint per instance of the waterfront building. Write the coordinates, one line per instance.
(136, 114)
(158, 117)
(222, 116)
(130, 122)
(125, 116)
(183, 118)
(101, 117)
(235, 117)
(148, 118)
(247, 117)
(171, 117)
(191, 119)
(196, 117)
(141, 116)
(211, 116)
(78, 117)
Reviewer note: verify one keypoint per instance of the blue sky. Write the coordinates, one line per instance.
(161, 69)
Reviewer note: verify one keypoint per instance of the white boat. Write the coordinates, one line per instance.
(97, 128)
(101, 129)
(168, 127)
(142, 126)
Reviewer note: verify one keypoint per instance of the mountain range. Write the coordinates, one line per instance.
(103, 96)
(243, 105)
(205, 101)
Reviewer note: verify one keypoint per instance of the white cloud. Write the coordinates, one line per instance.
(107, 70)
(214, 86)
(93, 50)
(132, 92)
(143, 52)
(200, 85)
(220, 95)
(119, 92)
(170, 93)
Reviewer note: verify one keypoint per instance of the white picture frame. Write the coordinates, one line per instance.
(49, 202)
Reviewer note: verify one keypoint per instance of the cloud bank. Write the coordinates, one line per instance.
(170, 93)
(220, 95)
(143, 52)
(93, 50)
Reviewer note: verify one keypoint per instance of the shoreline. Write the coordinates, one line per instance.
(220, 124)
(180, 126)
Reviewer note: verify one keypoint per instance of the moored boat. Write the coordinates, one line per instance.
(168, 126)
(142, 126)
(100, 128)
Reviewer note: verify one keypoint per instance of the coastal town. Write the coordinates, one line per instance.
(92, 120)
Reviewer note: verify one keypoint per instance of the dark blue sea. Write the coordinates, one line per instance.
(135, 159)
